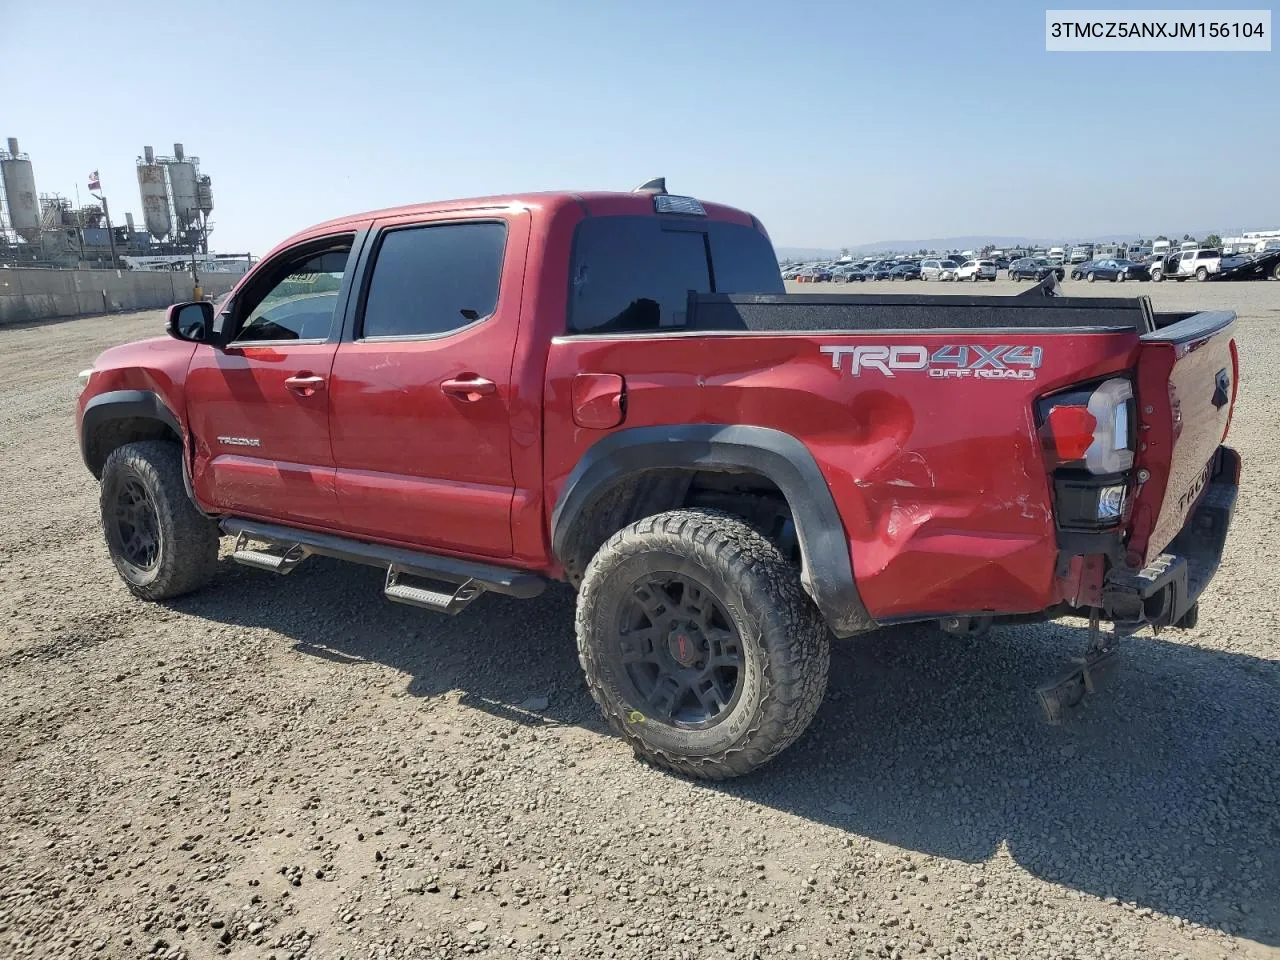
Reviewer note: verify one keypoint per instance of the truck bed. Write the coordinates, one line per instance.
(1031, 311)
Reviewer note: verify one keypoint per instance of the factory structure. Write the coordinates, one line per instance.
(48, 229)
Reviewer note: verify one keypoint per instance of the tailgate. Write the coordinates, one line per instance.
(1186, 388)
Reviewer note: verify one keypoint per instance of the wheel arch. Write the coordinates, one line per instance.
(641, 471)
(113, 419)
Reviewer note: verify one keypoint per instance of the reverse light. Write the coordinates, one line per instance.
(1111, 503)
(83, 376)
(1110, 404)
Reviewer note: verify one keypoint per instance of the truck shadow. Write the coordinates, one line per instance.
(1164, 791)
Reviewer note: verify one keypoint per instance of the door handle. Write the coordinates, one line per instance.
(470, 389)
(304, 384)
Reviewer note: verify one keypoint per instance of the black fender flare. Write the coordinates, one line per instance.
(121, 405)
(827, 573)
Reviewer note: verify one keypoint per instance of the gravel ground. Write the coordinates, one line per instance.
(295, 768)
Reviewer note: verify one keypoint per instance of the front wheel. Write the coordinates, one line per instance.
(1157, 276)
(161, 545)
(1091, 277)
(1121, 277)
(699, 643)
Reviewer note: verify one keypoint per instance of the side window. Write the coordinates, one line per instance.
(432, 280)
(297, 297)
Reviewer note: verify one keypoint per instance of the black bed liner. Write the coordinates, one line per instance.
(805, 312)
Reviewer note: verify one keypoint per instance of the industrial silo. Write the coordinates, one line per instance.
(182, 182)
(204, 193)
(20, 193)
(154, 194)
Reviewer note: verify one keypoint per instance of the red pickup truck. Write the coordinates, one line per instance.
(613, 389)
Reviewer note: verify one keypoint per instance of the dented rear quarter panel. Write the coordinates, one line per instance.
(940, 483)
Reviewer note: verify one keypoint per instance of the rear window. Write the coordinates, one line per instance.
(635, 273)
(1207, 255)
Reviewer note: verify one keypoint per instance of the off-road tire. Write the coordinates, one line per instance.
(188, 540)
(785, 650)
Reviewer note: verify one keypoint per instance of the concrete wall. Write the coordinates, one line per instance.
(30, 294)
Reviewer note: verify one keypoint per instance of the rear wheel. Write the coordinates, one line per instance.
(1091, 276)
(161, 545)
(699, 643)
(1202, 274)
(1121, 277)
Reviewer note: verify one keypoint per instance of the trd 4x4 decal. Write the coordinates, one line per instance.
(961, 361)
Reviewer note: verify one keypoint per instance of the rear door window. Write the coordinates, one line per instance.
(432, 280)
(635, 273)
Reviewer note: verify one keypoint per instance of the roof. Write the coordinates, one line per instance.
(548, 200)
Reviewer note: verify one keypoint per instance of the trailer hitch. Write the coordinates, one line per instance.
(1094, 665)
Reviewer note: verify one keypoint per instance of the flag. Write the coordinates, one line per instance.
(94, 182)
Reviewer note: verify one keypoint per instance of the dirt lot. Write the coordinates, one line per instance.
(296, 768)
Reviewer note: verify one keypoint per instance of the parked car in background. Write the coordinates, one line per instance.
(910, 270)
(847, 273)
(813, 275)
(1200, 263)
(1079, 270)
(882, 270)
(1117, 270)
(977, 270)
(791, 273)
(934, 269)
(1034, 268)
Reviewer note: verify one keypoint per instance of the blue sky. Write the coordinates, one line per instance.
(836, 123)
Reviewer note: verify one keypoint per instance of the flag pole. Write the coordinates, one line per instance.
(106, 212)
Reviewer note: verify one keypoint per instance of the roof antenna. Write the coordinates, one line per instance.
(658, 185)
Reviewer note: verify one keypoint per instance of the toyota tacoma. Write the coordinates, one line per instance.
(614, 390)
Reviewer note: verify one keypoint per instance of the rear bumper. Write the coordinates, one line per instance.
(1163, 592)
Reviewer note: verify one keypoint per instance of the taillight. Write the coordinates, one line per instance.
(1068, 432)
(1087, 436)
(1091, 427)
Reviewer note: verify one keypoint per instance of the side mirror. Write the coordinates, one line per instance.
(192, 322)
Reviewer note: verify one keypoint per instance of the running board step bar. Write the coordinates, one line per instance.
(281, 562)
(452, 602)
(400, 561)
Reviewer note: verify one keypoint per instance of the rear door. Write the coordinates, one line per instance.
(421, 398)
(259, 406)
(1186, 387)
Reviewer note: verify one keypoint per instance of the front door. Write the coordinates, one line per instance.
(422, 392)
(258, 405)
